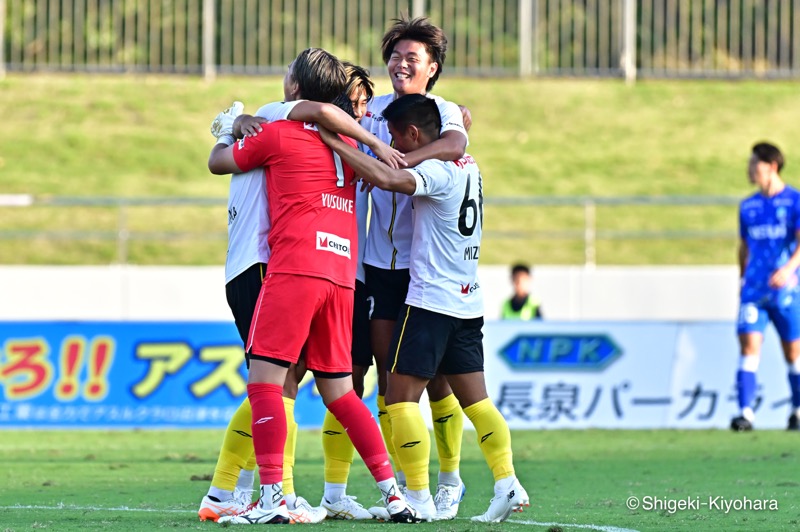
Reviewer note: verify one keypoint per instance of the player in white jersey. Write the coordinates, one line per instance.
(247, 257)
(443, 315)
(414, 52)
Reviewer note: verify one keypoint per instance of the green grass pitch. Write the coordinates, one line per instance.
(578, 480)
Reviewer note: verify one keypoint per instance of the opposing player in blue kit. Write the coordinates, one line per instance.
(769, 257)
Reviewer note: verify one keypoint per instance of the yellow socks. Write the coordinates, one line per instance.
(448, 426)
(237, 449)
(412, 443)
(289, 449)
(338, 450)
(494, 438)
(386, 430)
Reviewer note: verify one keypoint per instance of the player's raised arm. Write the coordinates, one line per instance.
(466, 116)
(336, 120)
(368, 168)
(449, 147)
(451, 143)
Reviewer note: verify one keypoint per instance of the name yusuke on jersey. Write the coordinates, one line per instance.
(332, 201)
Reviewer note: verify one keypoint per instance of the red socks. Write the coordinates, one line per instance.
(357, 420)
(269, 430)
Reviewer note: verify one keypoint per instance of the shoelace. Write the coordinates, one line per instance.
(352, 499)
(249, 507)
(243, 496)
(447, 496)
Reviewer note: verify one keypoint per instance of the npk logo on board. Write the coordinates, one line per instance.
(582, 352)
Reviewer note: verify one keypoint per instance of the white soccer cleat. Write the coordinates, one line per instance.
(303, 512)
(399, 511)
(379, 512)
(223, 123)
(513, 499)
(426, 509)
(447, 499)
(256, 515)
(346, 508)
(213, 510)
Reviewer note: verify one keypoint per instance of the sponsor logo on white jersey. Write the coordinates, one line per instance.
(333, 243)
(464, 161)
(469, 287)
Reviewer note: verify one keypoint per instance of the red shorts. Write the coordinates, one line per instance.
(297, 310)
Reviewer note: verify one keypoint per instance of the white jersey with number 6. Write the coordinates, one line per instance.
(389, 237)
(447, 219)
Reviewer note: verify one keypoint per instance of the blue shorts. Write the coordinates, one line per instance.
(753, 318)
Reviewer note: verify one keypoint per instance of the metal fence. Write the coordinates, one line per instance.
(650, 38)
(117, 223)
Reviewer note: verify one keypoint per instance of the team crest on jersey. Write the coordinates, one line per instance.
(333, 243)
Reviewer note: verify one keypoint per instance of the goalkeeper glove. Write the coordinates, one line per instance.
(223, 124)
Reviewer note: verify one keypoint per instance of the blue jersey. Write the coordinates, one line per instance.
(769, 226)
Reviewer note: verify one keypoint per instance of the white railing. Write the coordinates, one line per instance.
(587, 232)
(615, 38)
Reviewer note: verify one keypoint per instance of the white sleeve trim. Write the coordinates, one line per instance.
(421, 188)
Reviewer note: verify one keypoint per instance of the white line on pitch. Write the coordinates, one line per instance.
(92, 508)
(601, 528)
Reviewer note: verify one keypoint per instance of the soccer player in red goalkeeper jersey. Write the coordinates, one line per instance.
(306, 299)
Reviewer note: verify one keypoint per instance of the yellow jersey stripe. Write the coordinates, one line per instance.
(391, 224)
(400, 340)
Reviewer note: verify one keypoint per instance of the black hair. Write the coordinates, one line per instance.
(520, 268)
(319, 75)
(422, 31)
(769, 153)
(417, 110)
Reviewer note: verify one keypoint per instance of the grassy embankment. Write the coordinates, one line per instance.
(129, 136)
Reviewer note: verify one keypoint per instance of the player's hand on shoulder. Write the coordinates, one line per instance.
(249, 125)
(466, 116)
(388, 155)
